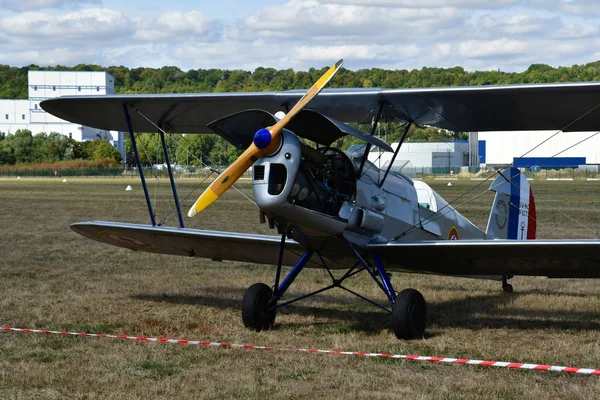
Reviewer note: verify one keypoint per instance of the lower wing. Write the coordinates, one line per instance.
(551, 258)
(216, 245)
(474, 258)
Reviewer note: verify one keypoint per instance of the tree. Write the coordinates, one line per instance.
(106, 151)
(195, 149)
(37, 147)
(22, 145)
(7, 155)
(433, 134)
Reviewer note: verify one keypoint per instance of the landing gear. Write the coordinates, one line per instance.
(408, 308)
(256, 312)
(409, 315)
(506, 287)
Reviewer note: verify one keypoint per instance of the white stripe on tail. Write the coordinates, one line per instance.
(513, 212)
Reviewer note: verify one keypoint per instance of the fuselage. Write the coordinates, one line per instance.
(317, 196)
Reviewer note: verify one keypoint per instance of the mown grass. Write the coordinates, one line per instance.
(54, 279)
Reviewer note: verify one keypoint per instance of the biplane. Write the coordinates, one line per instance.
(339, 211)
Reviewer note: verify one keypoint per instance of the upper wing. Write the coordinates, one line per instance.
(477, 108)
(216, 245)
(552, 258)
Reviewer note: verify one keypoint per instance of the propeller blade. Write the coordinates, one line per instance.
(266, 141)
(307, 98)
(225, 180)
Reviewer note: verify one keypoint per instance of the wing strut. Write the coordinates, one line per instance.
(387, 171)
(139, 164)
(368, 148)
(171, 178)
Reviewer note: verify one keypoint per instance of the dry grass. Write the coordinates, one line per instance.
(55, 279)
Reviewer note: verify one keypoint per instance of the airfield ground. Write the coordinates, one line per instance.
(52, 278)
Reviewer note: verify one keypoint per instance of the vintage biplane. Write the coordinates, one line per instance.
(339, 211)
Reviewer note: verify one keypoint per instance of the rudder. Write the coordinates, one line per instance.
(513, 213)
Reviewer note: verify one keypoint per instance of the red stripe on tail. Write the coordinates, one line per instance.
(532, 223)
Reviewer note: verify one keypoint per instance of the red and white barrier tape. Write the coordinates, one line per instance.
(537, 367)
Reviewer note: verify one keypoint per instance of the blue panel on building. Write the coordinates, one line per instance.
(481, 151)
(545, 162)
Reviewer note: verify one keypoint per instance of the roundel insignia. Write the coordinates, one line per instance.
(125, 241)
(453, 234)
(501, 214)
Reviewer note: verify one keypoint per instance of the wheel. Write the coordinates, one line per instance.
(507, 288)
(254, 308)
(409, 315)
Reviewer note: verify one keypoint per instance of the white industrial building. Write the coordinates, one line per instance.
(544, 149)
(431, 155)
(522, 149)
(27, 114)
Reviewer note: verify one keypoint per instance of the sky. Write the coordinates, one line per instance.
(508, 35)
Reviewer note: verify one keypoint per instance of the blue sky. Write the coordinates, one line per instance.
(475, 34)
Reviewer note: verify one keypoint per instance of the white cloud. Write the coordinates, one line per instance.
(577, 31)
(491, 48)
(518, 25)
(54, 56)
(443, 50)
(470, 4)
(355, 52)
(93, 24)
(301, 34)
(176, 25)
(29, 5)
(576, 7)
(313, 19)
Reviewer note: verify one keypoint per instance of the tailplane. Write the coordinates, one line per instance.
(513, 212)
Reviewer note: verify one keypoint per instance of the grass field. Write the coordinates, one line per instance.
(54, 279)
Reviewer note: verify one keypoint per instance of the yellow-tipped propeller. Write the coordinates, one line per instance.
(265, 142)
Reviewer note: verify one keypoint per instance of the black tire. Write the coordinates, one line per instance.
(254, 308)
(409, 315)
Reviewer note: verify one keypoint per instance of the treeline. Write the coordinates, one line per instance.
(193, 149)
(170, 79)
(25, 148)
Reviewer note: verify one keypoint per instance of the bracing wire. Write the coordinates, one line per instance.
(172, 211)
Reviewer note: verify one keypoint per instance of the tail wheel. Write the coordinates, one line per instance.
(255, 312)
(409, 315)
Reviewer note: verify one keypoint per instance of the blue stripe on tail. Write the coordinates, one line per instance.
(515, 200)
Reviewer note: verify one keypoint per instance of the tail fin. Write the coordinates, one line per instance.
(513, 212)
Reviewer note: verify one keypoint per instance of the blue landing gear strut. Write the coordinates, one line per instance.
(408, 308)
(506, 287)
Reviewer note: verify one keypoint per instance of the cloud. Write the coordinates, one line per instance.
(301, 34)
(54, 56)
(177, 25)
(93, 24)
(518, 25)
(577, 31)
(316, 20)
(575, 7)
(30, 5)
(470, 4)
(355, 52)
(491, 48)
